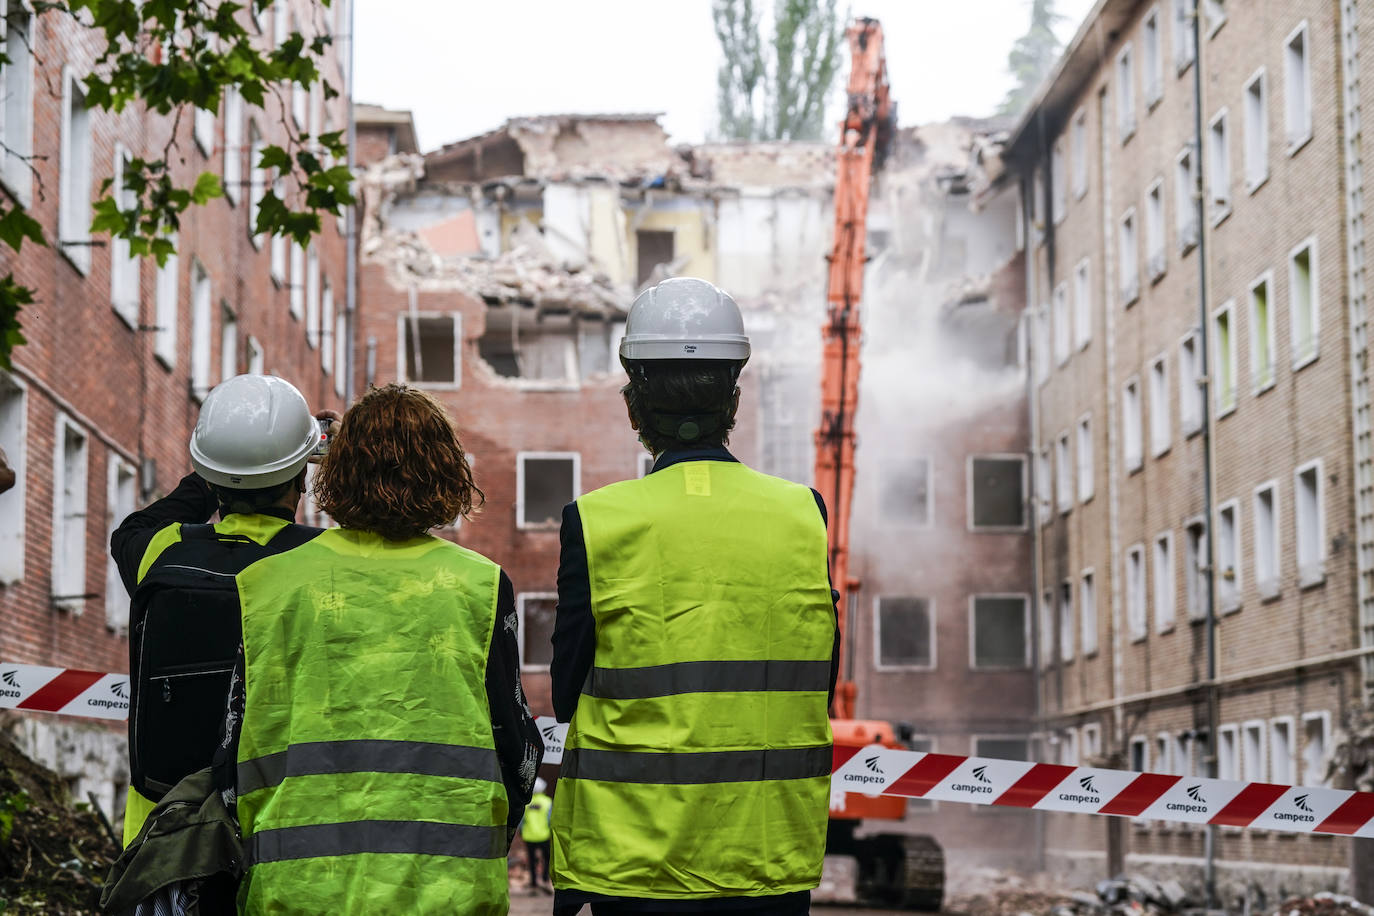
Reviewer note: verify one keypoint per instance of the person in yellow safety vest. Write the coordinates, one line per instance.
(535, 831)
(695, 649)
(252, 441)
(384, 752)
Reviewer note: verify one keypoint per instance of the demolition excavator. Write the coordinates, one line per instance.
(889, 869)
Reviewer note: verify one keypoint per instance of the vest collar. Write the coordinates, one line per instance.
(674, 456)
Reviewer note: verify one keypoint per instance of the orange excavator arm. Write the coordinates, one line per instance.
(863, 133)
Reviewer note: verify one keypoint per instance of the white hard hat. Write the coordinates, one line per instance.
(684, 318)
(254, 431)
(539, 784)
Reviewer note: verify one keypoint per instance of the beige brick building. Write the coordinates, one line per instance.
(1120, 270)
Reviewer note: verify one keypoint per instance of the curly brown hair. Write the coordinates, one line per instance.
(396, 467)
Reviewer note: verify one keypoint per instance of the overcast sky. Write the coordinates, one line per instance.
(465, 66)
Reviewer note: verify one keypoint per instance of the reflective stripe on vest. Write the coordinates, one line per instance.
(697, 764)
(369, 780)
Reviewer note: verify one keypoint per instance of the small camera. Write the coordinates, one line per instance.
(322, 446)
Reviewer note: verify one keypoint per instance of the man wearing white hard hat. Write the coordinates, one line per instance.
(694, 649)
(250, 448)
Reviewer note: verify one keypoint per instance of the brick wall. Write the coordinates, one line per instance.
(84, 360)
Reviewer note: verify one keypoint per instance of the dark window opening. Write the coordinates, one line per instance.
(537, 631)
(998, 493)
(655, 247)
(549, 486)
(999, 632)
(1002, 748)
(429, 349)
(904, 632)
(906, 493)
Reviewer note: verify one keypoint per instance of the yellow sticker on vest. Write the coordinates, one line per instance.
(697, 477)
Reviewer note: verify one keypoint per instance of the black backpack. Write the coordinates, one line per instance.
(183, 641)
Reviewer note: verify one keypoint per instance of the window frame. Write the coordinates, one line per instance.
(973, 631)
(1223, 407)
(15, 500)
(1233, 603)
(1297, 139)
(15, 173)
(1219, 205)
(1257, 771)
(125, 269)
(1309, 244)
(202, 332)
(1078, 154)
(1064, 484)
(1194, 569)
(401, 376)
(520, 458)
(878, 664)
(1168, 587)
(1185, 50)
(1084, 456)
(74, 241)
(909, 523)
(1271, 586)
(1087, 613)
(969, 502)
(1152, 64)
(1186, 226)
(1291, 777)
(1063, 329)
(1082, 307)
(167, 308)
(1137, 624)
(1256, 170)
(73, 600)
(1190, 420)
(1156, 257)
(1259, 384)
(1132, 426)
(1311, 573)
(1323, 716)
(1161, 414)
(116, 599)
(520, 600)
(1125, 93)
(1128, 241)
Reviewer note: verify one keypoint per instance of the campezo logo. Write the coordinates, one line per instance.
(980, 774)
(1087, 783)
(11, 682)
(872, 764)
(1195, 793)
(120, 689)
(549, 732)
(10, 677)
(1301, 804)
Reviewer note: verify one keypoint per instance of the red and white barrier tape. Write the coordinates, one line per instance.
(877, 770)
(66, 691)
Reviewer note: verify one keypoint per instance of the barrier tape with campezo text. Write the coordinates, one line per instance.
(878, 770)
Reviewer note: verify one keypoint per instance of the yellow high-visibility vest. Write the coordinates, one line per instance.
(368, 778)
(698, 762)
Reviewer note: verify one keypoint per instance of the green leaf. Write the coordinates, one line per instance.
(274, 157)
(16, 225)
(207, 188)
(108, 218)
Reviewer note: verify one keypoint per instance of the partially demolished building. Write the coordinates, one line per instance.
(497, 272)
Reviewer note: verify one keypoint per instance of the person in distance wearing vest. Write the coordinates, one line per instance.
(694, 649)
(535, 831)
(385, 753)
(249, 449)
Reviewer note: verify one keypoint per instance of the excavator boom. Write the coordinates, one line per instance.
(864, 132)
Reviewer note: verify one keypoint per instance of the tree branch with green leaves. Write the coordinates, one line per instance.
(172, 56)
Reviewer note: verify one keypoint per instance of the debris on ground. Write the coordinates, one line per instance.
(1325, 904)
(1136, 895)
(54, 855)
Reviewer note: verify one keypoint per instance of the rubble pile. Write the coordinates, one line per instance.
(53, 856)
(1133, 896)
(527, 274)
(1352, 759)
(1324, 905)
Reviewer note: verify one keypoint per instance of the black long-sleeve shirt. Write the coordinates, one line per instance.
(574, 654)
(519, 746)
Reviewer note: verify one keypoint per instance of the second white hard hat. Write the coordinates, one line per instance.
(254, 431)
(684, 318)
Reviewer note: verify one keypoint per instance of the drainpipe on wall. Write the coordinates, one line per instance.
(1208, 421)
(1037, 540)
(351, 228)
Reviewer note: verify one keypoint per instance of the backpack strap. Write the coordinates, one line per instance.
(293, 536)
